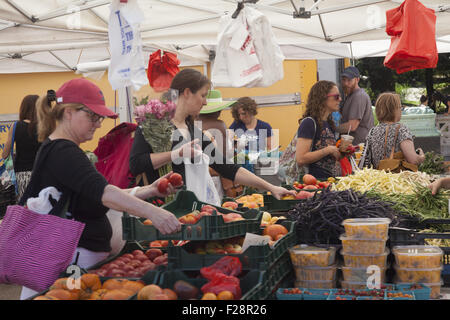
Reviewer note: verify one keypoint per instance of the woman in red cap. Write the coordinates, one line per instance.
(62, 126)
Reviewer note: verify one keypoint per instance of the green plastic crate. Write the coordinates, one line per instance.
(207, 228)
(255, 285)
(255, 257)
(271, 280)
(128, 248)
(273, 205)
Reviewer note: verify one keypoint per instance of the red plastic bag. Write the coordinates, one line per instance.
(222, 282)
(412, 28)
(346, 167)
(230, 266)
(113, 153)
(161, 70)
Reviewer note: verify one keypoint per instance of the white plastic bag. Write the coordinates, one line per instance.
(269, 52)
(127, 67)
(115, 219)
(236, 63)
(41, 204)
(247, 52)
(199, 181)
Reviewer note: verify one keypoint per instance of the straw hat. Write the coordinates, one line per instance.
(215, 102)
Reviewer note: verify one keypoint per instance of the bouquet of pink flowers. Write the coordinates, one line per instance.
(155, 109)
(154, 120)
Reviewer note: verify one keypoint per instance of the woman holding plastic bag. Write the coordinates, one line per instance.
(78, 112)
(189, 143)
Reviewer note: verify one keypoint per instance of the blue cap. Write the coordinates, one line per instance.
(350, 72)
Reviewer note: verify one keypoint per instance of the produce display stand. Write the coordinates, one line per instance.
(255, 284)
(150, 277)
(267, 271)
(130, 246)
(273, 205)
(207, 228)
(255, 257)
(400, 236)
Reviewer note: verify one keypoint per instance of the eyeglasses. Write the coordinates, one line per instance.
(336, 96)
(94, 117)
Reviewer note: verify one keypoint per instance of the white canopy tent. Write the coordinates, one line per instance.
(57, 35)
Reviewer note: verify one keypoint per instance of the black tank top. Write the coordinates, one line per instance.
(26, 147)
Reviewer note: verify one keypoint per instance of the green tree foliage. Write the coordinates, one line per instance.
(381, 79)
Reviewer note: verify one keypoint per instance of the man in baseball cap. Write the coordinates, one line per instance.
(356, 110)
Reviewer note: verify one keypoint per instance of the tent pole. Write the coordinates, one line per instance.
(181, 23)
(321, 51)
(20, 9)
(347, 6)
(351, 52)
(358, 32)
(63, 11)
(62, 61)
(126, 106)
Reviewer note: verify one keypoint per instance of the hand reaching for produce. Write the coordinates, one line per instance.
(165, 221)
(279, 192)
(438, 184)
(435, 186)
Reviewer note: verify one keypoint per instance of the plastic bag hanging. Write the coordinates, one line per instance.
(247, 52)
(127, 67)
(412, 28)
(162, 69)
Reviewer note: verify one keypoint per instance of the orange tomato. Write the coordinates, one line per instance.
(225, 295)
(209, 296)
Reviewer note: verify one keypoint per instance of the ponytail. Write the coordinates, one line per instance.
(49, 113)
(46, 120)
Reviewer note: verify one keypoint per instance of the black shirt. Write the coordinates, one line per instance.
(140, 156)
(26, 147)
(66, 167)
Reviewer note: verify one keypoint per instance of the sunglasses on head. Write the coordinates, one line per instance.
(336, 96)
(93, 116)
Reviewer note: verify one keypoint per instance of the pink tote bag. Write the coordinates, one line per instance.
(35, 248)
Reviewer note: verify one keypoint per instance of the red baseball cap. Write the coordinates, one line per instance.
(84, 92)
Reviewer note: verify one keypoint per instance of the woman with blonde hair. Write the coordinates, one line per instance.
(68, 118)
(389, 133)
(316, 136)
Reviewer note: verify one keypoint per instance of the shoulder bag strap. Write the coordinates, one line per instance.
(306, 167)
(395, 139)
(315, 130)
(385, 141)
(12, 140)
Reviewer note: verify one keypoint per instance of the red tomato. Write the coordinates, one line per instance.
(176, 180)
(162, 185)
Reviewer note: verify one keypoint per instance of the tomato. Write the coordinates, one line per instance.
(154, 244)
(326, 184)
(176, 180)
(162, 185)
(309, 179)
